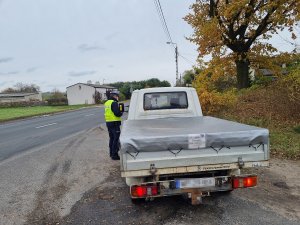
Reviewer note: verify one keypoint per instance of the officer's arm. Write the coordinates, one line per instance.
(115, 109)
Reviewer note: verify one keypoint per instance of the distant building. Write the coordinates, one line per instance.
(266, 72)
(82, 93)
(20, 97)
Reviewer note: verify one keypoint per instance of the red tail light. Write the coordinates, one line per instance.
(244, 182)
(141, 191)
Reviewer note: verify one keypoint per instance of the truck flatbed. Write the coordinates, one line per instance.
(190, 141)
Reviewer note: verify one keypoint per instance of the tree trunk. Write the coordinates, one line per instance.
(242, 70)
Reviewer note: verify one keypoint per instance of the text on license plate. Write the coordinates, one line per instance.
(195, 182)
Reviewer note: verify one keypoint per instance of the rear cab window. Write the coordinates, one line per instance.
(165, 100)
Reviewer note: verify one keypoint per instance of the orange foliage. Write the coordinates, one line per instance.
(238, 30)
(214, 86)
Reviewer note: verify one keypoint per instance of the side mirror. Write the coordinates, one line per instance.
(126, 108)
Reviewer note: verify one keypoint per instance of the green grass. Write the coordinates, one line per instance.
(285, 143)
(297, 129)
(284, 137)
(23, 112)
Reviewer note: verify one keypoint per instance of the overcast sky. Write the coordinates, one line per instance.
(56, 43)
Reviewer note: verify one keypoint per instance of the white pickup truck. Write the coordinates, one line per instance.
(169, 148)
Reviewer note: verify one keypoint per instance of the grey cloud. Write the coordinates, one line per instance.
(9, 73)
(82, 73)
(31, 69)
(3, 83)
(86, 48)
(55, 85)
(111, 36)
(6, 59)
(111, 66)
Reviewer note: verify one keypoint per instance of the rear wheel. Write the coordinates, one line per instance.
(226, 192)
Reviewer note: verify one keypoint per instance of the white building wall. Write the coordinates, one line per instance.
(11, 99)
(102, 91)
(35, 97)
(80, 94)
(26, 98)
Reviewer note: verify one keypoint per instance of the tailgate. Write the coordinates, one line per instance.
(229, 157)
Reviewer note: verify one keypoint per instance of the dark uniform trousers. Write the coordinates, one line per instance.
(114, 135)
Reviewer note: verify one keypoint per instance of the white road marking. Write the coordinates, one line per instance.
(90, 115)
(50, 124)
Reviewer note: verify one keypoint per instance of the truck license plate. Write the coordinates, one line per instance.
(195, 183)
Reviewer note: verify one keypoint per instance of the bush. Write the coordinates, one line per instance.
(57, 101)
(280, 101)
(122, 97)
(22, 104)
(297, 129)
(271, 104)
(215, 91)
(57, 98)
(263, 81)
(215, 102)
(97, 98)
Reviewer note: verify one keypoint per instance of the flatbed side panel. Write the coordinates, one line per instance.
(177, 158)
(193, 169)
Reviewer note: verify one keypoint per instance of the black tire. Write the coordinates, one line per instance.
(221, 193)
(225, 192)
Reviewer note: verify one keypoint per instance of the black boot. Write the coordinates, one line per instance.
(115, 157)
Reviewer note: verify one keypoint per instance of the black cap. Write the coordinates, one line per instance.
(113, 93)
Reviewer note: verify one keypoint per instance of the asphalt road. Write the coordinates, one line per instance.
(19, 136)
(73, 181)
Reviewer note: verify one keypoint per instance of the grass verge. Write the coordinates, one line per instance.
(7, 114)
(285, 144)
(284, 137)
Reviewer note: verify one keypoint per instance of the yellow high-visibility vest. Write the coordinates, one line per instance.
(109, 114)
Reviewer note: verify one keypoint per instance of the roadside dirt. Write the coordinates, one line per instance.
(74, 181)
(68, 174)
(278, 188)
(274, 201)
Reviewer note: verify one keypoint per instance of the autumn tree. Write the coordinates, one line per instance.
(239, 29)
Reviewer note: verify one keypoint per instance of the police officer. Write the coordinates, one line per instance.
(113, 122)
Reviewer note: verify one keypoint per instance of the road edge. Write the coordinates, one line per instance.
(45, 114)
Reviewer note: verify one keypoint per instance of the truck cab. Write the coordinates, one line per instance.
(153, 103)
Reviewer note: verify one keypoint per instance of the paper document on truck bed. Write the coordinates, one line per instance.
(188, 133)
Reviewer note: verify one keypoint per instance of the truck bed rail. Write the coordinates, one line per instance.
(192, 169)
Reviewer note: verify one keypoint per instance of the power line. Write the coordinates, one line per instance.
(295, 44)
(169, 38)
(186, 59)
(166, 29)
(160, 17)
(163, 20)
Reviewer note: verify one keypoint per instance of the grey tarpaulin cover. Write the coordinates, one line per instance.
(188, 133)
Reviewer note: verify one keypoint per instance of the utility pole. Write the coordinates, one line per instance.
(176, 60)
